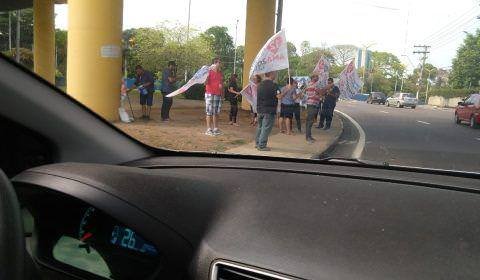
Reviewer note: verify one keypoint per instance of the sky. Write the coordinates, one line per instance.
(385, 25)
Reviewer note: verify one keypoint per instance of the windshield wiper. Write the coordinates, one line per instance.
(352, 160)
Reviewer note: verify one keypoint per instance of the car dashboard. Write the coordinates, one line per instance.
(203, 218)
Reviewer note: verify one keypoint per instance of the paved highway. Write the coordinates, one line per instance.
(424, 137)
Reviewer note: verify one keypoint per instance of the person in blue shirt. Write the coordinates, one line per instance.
(168, 86)
(145, 85)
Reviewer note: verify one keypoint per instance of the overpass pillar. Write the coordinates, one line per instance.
(94, 59)
(44, 39)
(260, 26)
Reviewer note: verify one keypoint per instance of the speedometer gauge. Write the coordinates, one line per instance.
(85, 228)
(97, 229)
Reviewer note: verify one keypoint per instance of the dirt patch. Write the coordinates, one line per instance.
(186, 130)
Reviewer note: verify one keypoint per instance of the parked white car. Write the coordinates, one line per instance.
(401, 99)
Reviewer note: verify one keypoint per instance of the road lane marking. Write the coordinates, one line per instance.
(357, 153)
(478, 139)
(385, 112)
(423, 122)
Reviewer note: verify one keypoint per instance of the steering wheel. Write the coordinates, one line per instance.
(12, 242)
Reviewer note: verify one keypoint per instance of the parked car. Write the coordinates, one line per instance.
(469, 111)
(360, 97)
(401, 99)
(377, 97)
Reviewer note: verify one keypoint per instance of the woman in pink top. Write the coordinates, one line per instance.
(213, 97)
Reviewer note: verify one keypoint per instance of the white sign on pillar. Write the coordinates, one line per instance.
(110, 51)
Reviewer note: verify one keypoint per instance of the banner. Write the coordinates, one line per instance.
(322, 69)
(199, 78)
(349, 81)
(250, 94)
(272, 57)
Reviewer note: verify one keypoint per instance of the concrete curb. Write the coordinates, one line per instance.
(298, 147)
(333, 143)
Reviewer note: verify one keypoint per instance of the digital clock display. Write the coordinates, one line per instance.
(128, 239)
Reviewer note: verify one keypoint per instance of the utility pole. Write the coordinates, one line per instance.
(279, 15)
(424, 51)
(17, 50)
(188, 31)
(235, 55)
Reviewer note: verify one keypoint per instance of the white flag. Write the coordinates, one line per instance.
(349, 81)
(272, 57)
(322, 69)
(199, 78)
(250, 94)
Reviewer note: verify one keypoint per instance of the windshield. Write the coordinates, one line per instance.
(267, 78)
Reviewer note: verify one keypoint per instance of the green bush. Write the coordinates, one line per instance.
(450, 93)
(196, 92)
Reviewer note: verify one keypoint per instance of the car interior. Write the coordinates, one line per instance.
(83, 200)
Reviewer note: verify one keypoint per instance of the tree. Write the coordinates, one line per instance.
(221, 42)
(154, 47)
(239, 65)
(466, 64)
(61, 49)
(343, 54)
(26, 29)
(388, 64)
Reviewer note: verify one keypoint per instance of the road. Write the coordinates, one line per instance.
(424, 137)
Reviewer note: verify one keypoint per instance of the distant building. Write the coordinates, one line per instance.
(364, 58)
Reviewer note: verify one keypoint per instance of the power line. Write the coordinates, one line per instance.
(447, 40)
(452, 29)
(467, 13)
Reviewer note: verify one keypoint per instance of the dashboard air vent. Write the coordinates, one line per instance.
(229, 271)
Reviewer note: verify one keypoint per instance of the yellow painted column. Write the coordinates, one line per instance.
(94, 59)
(44, 39)
(260, 26)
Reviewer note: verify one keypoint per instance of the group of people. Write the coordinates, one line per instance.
(271, 101)
(145, 83)
(320, 101)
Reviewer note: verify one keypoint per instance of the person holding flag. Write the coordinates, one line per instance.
(213, 97)
(329, 103)
(232, 95)
(168, 86)
(314, 94)
(145, 84)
